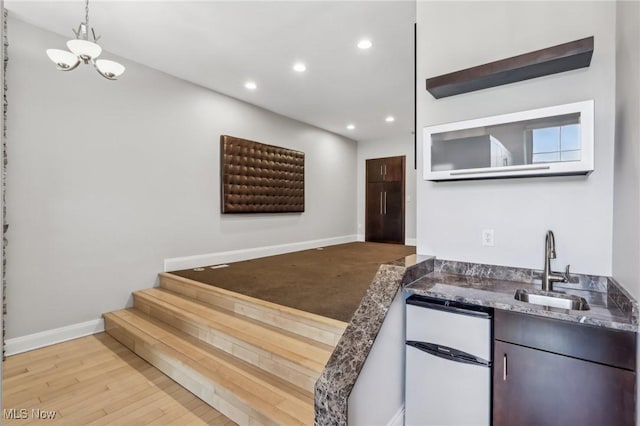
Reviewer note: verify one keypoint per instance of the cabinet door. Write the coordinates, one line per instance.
(375, 170)
(374, 229)
(393, 209)
(393, 169)
(533, 387)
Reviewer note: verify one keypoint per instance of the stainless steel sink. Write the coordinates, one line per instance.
(552, 299)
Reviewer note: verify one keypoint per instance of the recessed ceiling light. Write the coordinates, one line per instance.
(390, 119)
(299, 67)
(351, 126)
(365, 43)
(251, 85)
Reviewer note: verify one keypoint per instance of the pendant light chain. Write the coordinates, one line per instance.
(86, 12)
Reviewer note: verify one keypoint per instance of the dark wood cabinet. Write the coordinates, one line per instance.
(375, 170)
(384, 221)
(389, 169)
(532, 386)
(374, 212)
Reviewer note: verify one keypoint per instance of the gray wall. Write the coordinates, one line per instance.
(378, 148)
(626, 218)
(2, 253)
(457, 35)
(626, 224)
(108, 179)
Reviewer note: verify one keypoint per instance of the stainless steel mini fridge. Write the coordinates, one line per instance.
(448, 363)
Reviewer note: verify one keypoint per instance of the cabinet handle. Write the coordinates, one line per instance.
(380, 202)
(381, 171)
(385, 169)
(502, 170)
(385, 202)
(504, 367)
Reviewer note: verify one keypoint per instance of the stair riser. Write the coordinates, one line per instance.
(299, 324)
(294, 373)
(219, 398)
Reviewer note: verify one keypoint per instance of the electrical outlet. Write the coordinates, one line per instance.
(487, 237)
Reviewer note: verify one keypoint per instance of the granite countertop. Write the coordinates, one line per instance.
(610, 305)
(479, 284)
(339, 376)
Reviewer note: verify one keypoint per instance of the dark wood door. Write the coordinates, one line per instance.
(389, 169)
(375, 170)
(385, 183)
(534, 387)
(393, 169)
(393, 209)
(375, 212)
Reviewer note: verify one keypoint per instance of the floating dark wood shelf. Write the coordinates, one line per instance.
(563, 57)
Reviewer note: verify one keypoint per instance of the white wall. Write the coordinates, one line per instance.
(457, 35)
(626, 202)
(378, 395)
(626, 224)
(107, 179)
(389, 148)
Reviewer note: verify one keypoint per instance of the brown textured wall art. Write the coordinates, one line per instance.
(260, 178)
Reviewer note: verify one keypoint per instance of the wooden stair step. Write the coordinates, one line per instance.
(297, 359)
(239, 390)
(272, 338)
(312, 326)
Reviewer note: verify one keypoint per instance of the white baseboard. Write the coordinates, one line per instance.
(398, 418)
(50, 337)
(178, 263)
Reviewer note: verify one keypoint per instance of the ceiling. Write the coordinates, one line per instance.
(222, 44)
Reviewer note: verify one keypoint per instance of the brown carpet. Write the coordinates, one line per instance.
(328, 282)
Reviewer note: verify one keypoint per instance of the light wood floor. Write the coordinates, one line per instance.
(96, 380)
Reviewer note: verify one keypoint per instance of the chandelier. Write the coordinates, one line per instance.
(84, 50)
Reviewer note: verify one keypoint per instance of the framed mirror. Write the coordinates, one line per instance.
(555, 140)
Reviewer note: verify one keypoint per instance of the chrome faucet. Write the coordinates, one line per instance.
(548, 276)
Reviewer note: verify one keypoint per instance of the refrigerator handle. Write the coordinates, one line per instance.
(450, 306)
(448, 353)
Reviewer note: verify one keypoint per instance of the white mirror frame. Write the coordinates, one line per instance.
(582, 167)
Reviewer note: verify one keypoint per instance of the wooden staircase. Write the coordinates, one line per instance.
(252, 360)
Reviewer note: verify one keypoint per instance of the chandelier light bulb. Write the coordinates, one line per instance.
(84, 49)
(109, 69)
(65, 60)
